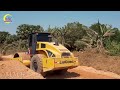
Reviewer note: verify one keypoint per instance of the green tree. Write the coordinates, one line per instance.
(102, 31)
(68, 34)
(11, 38)
(25, 29)
(3, 35)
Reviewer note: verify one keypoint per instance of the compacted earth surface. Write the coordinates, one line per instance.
(92, 66)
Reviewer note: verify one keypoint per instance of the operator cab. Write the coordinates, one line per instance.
(44, 37)
(38, 37)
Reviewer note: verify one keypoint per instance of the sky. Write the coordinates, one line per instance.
(57, 18)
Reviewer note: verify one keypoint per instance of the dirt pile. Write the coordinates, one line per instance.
(91, 73)
(8, 57)
(15, 70)
(99, 61)
(89, 60)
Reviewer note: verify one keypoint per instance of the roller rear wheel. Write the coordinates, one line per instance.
(36, 64)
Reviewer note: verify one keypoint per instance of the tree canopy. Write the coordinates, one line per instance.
(74, 36)
(25, 29)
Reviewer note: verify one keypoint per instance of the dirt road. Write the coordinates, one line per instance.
(80, 72)
(83, 72)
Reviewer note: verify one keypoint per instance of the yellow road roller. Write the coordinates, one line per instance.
(45, 55)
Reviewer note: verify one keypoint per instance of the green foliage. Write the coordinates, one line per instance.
(10, 39)
(68, 34)
(74, 36)
(100, 28)
(113, 48)
(25, 29)
(79, 45)
(3, 36)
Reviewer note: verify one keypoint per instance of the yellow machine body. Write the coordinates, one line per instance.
(54, 57)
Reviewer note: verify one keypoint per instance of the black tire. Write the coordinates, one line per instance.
(36, 64)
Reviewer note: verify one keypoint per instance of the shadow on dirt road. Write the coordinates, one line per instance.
(62, 76)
